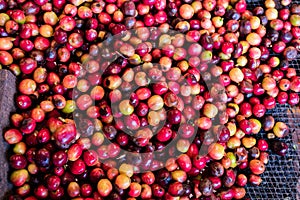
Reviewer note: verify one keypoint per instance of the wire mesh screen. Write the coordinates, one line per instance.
(281, 180)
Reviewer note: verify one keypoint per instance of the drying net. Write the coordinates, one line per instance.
(281, 180)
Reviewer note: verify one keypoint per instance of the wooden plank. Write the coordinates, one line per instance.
(7, 92)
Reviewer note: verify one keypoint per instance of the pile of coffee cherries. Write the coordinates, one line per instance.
(146, 99)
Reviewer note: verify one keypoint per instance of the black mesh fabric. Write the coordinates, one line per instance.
(281, 180)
